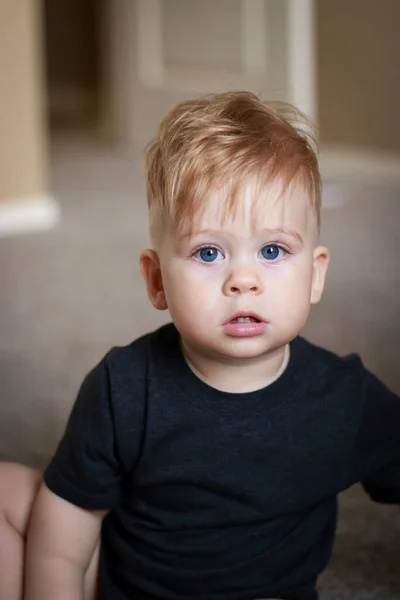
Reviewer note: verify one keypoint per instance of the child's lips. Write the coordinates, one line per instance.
(245, 317)
(245, 325)
(245, 320)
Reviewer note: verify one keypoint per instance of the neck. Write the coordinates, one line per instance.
(237, 375)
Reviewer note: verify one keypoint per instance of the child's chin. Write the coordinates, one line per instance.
(242, 347)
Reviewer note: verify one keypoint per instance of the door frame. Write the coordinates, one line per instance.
(132, 49)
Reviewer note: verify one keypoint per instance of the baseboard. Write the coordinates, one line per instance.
(30, 213)
(344, 164)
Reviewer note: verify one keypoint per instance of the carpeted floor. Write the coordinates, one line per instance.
(67, 295)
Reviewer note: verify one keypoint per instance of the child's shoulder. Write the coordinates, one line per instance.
(328, 378)
(134, 357)
(322, 360)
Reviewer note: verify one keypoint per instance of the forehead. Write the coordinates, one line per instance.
(256, 207)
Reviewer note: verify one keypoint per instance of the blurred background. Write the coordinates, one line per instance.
(83, 84)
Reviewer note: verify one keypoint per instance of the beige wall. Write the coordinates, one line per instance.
(22, 134)
(359, 73)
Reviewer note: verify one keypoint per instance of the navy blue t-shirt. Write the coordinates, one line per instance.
(222, 496)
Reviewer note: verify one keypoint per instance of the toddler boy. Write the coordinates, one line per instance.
(208, 455)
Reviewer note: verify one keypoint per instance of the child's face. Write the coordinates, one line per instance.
(242, 288)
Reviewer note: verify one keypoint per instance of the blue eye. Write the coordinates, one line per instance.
(272, 252)
(209, 254)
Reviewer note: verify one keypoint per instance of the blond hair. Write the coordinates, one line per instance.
(218, 142)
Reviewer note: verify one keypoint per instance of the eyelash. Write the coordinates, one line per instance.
(205, 246)
(276, 245)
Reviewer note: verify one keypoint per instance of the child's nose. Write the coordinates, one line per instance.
(243, 281)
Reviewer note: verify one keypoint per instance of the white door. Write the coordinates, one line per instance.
(162, 51)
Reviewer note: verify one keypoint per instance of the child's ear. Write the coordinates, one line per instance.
(150, 268)
(321, 259)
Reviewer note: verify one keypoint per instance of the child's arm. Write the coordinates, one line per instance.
(61, 540)
(376, 455)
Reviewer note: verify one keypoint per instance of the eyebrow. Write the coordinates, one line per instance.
(289, 232)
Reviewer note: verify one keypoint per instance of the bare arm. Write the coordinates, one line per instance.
(61, 541)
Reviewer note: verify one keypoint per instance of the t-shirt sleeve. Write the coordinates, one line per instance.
(376, 459)
(86, 469)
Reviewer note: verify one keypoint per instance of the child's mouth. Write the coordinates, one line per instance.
(245, 325)
(245, 320)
